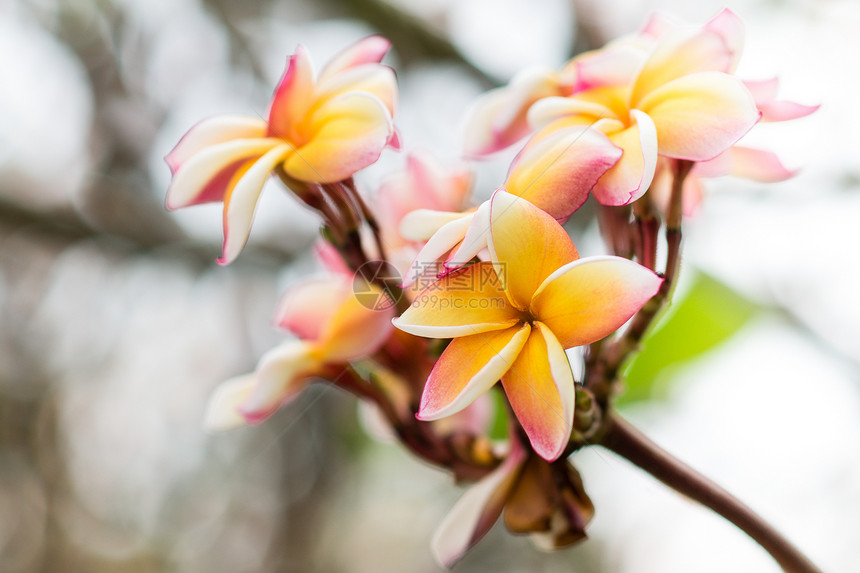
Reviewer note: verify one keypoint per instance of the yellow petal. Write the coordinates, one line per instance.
(540, 388)
(375, 79)
(701, 115)
(346, 134)
(470, 366)
(589, 299)
(467, 301)
(680, 53)
(556, 172)
(360, 324)
(526, 245)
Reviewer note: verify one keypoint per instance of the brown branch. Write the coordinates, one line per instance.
(602, 379)
(647, 228)
(629, 443)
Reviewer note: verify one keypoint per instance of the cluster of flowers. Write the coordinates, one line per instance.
(635, 124)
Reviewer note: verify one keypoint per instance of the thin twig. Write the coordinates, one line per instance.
(628, 442)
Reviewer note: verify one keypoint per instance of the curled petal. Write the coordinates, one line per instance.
(206, 176)
(240, 202)
(764, 94)
(785, 110)
(425, 265)
(556, 172)
(468, 367)
(526, 245)
(589, 299)
(467, 301)
(369, 50)
(540, 388)
(755, 164)
(282, 373)
(222, 412)
(701, 115)
(211, 132)
(421, 224)
(498, 118)
(293, 96)
(630, 177)
(476, 512)
(346, 134)
(475, 239)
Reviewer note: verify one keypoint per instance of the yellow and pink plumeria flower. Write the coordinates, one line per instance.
(513, 318)
(333, 327)
(682, 104)
(318, 130)
(555, 174)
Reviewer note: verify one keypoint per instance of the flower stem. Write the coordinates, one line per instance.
(647, 228)
(619, 351)
(628, 442)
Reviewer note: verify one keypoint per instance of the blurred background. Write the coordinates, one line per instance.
(115, 323)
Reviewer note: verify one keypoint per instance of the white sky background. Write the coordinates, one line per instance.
(773, 415)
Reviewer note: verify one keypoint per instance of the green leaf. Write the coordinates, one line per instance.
(705, 316)
(499, 425)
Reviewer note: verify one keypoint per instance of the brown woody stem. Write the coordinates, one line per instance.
(618, 352)
(647, 228)
(629, 443)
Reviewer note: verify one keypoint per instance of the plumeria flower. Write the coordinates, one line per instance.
(682, 104)
(512, 318)
(554, 512)
(498, 119)
(333, 327)
(318, 130)
(554, 173)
